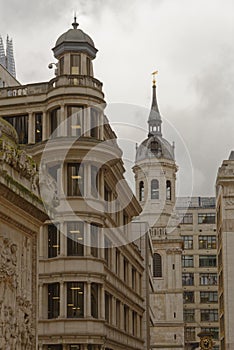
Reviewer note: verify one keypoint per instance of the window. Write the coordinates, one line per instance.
(187, 260)
(154, 146)
(54, 122)
(94, 239)
(134, 278)
(107, 307)
(75, 174)
(117, 261)
(188, 242)
(168, 190)
(154, 189)
(207, 242)
(88, 65)
(55, 347)
(61, 65)
(107, 252)
(207, 260)
(94, 300)
(157, 265)
(53, 300)
(190, 333)
(126, 318)
(208, 279)
(186, 219)
(20, 123)
(187, 279)
(75, 238)
(189, 315)
(208, 297)
(75, 64)
(125, 262)
(53, 241)
(94, 122)
(75, 299)
(188, 297)
(209, 315)
(141, 191)
(213, 330)
(94, 181)
(75, 121)
(134, 323)
(118, 313)
(206, 218)
(38, 127)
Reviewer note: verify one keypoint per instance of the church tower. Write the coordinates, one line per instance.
(155, 176)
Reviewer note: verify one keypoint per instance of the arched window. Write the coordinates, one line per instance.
(157, 265)
(141, 191)
(154, 147)
(168, 190)
(154, 189)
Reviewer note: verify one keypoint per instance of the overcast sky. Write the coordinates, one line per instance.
(190, 43)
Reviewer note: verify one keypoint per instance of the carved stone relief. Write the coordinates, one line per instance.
(15, 307)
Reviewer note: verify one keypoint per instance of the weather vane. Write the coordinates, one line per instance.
(154, 77)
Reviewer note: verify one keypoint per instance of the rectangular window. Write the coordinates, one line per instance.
(75, 238)
(75, 179)
(188, 242)
(208, 279)
(190, 333)
(207, 260)
(94, 300)
(53, 241)
(206, 218)
(187, 260)
(188, 297)
(107, 251)
(54, 122)
(61, 65)
(213, 330)
(38, 127)
(55, 347)
(187, 279)
(53, 300)
(94, 239)
(94, 122)
(94, 181)
(75, 121)
(118, 313)
(125, 270)
(75, 64)
(186, 219)
(117, 261)
(126, 318)
(88, 65)
(207, 242)
(189, 315)
(75, 300)
(209, 315)
(134, 323)
(134, 278)
(208, 297)
(20, 123)
(107, 307)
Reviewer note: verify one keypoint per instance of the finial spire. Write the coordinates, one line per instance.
(75, 24)
(154, 77)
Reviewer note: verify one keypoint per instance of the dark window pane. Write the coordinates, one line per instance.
(75, 238)
(53, 241)
(75, 174)
(75, 299)
(157, 265)
(154, 189)
(20, 123)
(53, 300)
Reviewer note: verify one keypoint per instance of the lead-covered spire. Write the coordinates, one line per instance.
(154, 120)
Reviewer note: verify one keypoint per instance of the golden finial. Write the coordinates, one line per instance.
(154, 77)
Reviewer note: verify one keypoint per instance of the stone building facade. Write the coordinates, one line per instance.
(225, 231)
(197, 216)
(90, 272)
(21, 215)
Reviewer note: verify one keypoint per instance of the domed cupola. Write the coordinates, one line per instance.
(155, 146)
(75, 49)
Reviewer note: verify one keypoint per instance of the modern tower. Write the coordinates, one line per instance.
(155, 175)
(7, 58)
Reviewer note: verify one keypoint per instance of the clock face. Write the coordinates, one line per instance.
(206, 344)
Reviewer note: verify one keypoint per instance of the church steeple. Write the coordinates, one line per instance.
(154, 120)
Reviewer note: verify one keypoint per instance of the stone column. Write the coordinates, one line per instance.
(63, 300)
(86, 119)
(113, 311)
(87, 239)
(42, 239)
(63, 239)
(101, 244)
(31, 128)
(40, 311)
(88, 300)
(63, 124)
(45, 125)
